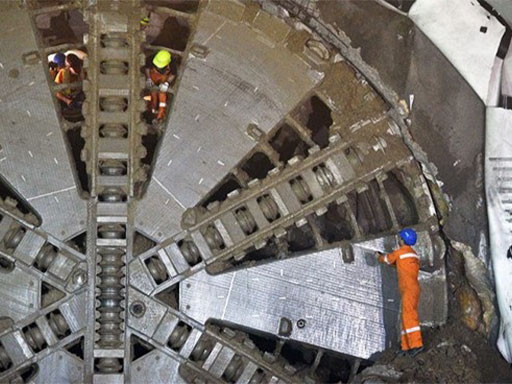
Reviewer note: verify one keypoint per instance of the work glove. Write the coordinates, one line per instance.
(149, 83)
(164, 87)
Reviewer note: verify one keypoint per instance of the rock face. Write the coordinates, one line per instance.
(471, 308)
(453, 355)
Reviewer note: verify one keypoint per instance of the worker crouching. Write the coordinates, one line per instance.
(159, 75)
(407, 263)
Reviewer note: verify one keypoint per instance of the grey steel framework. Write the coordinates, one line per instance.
(276, 176)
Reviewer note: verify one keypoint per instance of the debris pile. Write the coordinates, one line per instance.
(458, 352)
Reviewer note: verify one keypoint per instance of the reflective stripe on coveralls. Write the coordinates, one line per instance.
(159, 98)
(407, 255)
(408, 265)
(411, 330)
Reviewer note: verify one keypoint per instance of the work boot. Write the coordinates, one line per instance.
(413, 352)
(402, 353)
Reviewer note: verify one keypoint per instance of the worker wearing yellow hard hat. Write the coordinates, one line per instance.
(162, 59)
(159, 75)
(145, 20)
(152, 24)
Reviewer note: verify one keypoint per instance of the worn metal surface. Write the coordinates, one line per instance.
(33, 157)
(158, 215)
(60, 367)
(21, 294)
(351, 308)
(338, 183)
(245, 77)
(158, 367)
(342, 304)
(112, 136)
(42, 333)
(201, 352)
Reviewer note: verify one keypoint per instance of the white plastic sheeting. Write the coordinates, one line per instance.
(506, 78)
(498, 170)
(467, 35)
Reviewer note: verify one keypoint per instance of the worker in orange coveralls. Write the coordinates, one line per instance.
(159, 74)
(408, 265)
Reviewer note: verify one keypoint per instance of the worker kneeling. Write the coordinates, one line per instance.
(408, 265)
(160, 75)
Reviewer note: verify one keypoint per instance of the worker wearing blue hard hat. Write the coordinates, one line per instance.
(57, 63)
(59, 59)
(407, 263)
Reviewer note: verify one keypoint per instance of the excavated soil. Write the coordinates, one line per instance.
(454, 353)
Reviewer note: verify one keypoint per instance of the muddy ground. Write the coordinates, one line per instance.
(453, 354)
(459, 352)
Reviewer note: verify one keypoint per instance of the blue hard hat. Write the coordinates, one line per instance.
(409, 236)
(59, 59)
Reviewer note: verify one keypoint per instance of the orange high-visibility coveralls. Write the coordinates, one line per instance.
(408, 265)
(159, 99)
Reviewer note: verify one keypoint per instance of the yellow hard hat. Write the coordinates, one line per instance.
(162, 59)
(144, 21)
